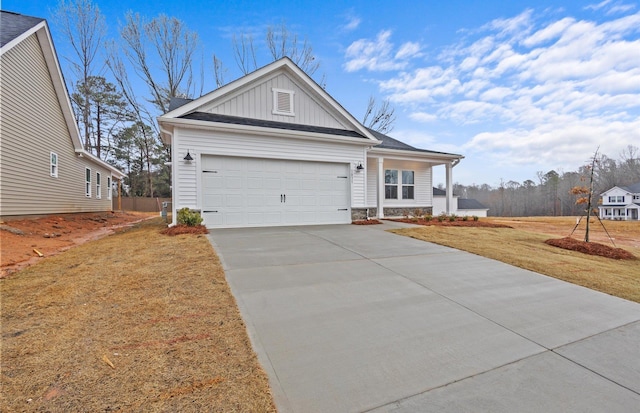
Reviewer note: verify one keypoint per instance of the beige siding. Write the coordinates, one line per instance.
(207, 143)
(423, 190)
(32, 126)
(257, 103)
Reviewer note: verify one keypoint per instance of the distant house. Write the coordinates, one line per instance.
(274, 148)
(621, 203)
(43, 166)
(461, 206)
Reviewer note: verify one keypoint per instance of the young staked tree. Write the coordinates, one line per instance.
(85, 27)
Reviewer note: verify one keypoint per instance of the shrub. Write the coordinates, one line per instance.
(441, 217)
(465, 218)
(475, 218)
(189, 218)
(428, 217)
(452, 217)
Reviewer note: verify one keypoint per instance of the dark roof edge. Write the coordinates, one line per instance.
(236, 120)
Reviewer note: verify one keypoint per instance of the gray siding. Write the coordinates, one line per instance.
(32, 126)
(257, 103)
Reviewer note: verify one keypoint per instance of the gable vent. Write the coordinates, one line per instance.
(283, 102)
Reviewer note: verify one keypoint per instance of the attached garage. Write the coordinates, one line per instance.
(250, 192)
(274, 149)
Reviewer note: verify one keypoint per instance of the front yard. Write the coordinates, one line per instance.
(137, 321)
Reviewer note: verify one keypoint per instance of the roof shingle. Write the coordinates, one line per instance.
(12, 25)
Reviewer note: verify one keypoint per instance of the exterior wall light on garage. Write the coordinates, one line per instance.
(188, 158)
(359, 168)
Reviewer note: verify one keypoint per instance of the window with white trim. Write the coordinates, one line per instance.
(53, 164)
(407, 185)
(109, 189)
(87, 182)
(619, 198)
(283, 102)
(98, 185)
(399, 183)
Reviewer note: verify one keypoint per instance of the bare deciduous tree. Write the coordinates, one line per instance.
(244, 53)
(174, 46)
(281, 42)
(85, 27)
(379, 117)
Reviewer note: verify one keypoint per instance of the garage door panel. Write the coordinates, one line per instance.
(267, 192)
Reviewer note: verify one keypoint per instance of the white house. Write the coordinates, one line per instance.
(621, 203)
(43, 166)
(273, 148)
(460, 206)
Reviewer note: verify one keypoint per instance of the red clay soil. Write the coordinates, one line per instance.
(591, 248)
(184, 229)
(446, 223)
(22, 239)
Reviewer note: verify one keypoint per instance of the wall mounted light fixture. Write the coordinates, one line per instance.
(359, 167)
(188, 158)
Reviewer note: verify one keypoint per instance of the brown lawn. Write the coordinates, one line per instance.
(136, 321)
(524, 245)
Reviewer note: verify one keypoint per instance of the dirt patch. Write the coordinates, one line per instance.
(458, 222)
(133, 322)
(185, 229)
(591, 248)
(24, 239)
(366, 222)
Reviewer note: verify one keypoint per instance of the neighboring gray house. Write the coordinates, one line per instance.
(461, 206)
(273, 148)
(621, 203)
(43, 166)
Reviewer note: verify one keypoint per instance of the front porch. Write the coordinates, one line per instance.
(620, 212)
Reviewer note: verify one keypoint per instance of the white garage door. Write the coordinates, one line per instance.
(251, 192)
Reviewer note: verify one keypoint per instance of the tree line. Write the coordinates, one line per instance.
(119, 86)
(554, 193)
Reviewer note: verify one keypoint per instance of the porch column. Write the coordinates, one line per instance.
(449, 184)
(380, 188)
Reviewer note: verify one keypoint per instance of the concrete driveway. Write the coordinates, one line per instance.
(351, 318)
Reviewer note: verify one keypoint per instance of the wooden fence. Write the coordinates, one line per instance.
(141, 204)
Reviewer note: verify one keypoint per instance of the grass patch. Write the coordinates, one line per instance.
(527, 250)
(137, 321)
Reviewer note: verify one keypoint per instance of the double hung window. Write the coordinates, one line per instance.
(399, 183)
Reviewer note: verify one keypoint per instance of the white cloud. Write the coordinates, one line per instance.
(533, 88)
(423, 117)
(378, 55)
(352, 23)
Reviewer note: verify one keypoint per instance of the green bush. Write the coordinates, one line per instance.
(475, 218)
(428, 217)
(465, 218)
(441, 217)
(452, 217)
(189, 218)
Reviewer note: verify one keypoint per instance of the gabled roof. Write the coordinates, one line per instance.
(13, 25)
(634, 188)
(20, 27)
(183, 107)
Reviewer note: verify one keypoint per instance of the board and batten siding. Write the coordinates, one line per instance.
(198, 143)
(423, 188)
(257, 103)
(33, 126)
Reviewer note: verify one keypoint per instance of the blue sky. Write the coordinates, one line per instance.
(517, 87)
